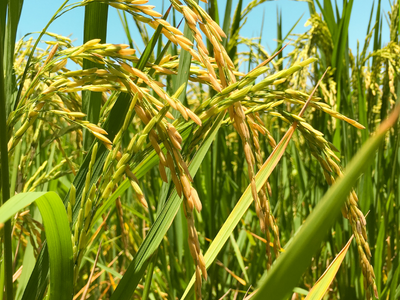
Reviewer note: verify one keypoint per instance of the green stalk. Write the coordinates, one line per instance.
(279, 34)
(147, 285)
(183, 68)
(14, 173)
(5, 187)
(234, 32)
(227, 21)
(10, 85)
(95, 28)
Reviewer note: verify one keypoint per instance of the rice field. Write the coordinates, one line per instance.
(191, 169)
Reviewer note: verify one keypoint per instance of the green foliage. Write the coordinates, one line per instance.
(55, 221)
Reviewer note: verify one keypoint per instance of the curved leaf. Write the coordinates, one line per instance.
(58, 236)
(321, 286)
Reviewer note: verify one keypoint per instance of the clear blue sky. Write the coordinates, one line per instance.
(36, 13)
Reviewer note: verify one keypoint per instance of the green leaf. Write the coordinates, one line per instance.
(234, 32)
(144, 58)
(322, 285)
(95, 27)
(13, 16)
(58, 236)
(28, 263)
(394, 283)
(239, 256)
(185, 60)
(227, 21)
(105, 268)
(380, 243)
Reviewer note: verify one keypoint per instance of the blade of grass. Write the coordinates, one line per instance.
(13, 16)
(378, 261)
(279, 34)
(227, 22)
(38, 281)
(234, 31)
(29, 264)
(239, 257)
(124, 22)
(29, 258)
(322, 285)
(340, 40)
(287, 35)
(3, 15)
(329, 16)
(105, 268)
(85, 291)
(147, 284)
(4, 175)
(394, 283)
(144, 58)
(185, 60)
(95, 27)
(58, 236)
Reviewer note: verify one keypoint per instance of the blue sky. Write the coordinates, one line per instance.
(36, 13)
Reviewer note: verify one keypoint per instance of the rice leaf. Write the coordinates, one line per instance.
(14, 13)
(58, 237)
(322, 285)
(95, 27)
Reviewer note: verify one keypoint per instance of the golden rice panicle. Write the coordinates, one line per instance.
(237, 114)
(195, 251)
(186, 189)
(263, 209)
(194, 14)
(351, 210)
(142, 114)
(330, 165)
(191, 199)
(171, 166)
(120, 215)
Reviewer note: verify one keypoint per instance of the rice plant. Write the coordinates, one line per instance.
(190, 169)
